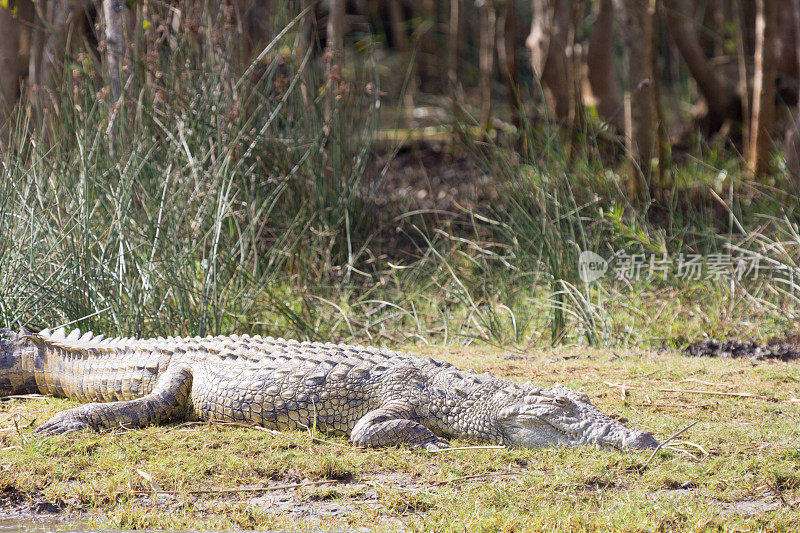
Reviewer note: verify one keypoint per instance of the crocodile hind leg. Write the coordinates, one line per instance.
(168, 400)
(392, 425)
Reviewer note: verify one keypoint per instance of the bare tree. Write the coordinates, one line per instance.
(335, 44)
(601, 71)
(59, 16)
(253, 18)
(9, 67)
(507, 53)
(452, 54)
(763, 113)
(640, 113)
(720, 97)
(547, 42)
(112, 16)
(428, 59)
(306, 43)
(488, 27)
(793, 131)
(115, 49)
(397, 24)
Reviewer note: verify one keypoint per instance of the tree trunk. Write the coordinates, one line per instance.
(334, 50)
(429, 65)
(306, 43)
(721, 99)
(9, 69)
(661, 185)
(48, 45)
(453, 81)
(26, 15)
(112, 16)
(254, 27)
(36, 47)
(547, 43)
(115, 49)
(640, 123)
(488, 26)
(397, 24)
(763, 114)
(335, 44)
(602, 72)
(507, 53)
(55, 42)
(793, 131)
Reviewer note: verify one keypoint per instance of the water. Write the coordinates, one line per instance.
(41, 524)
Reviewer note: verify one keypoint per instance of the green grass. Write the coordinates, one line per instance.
(735, 470)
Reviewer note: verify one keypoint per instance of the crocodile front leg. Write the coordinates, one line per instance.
(168, 400)
(392, 425)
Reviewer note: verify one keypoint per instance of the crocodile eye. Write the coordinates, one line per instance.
(561, 401)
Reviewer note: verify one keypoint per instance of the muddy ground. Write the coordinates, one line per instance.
(781, 349)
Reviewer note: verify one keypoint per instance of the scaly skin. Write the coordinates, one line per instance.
(378, 397)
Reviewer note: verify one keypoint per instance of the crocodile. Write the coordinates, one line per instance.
(376, 396)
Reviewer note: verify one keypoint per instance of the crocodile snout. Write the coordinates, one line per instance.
(641, 441)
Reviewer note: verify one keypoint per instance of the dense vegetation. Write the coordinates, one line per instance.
(215, 198)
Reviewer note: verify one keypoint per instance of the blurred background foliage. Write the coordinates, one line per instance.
(399, 171)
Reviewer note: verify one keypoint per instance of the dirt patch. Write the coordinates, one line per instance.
(747, 507)
(22, 505)
(783, 349)
(337, 500)
(750, 507)
(428, 185)
(434, 178)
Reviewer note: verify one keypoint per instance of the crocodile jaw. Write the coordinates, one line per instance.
(562, 417)
(535, 432)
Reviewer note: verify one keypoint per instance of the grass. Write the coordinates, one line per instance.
(734, 470)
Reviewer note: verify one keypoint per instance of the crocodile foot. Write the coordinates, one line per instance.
(64, 422)
(437, 445)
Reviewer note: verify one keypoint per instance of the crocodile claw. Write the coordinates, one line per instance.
(62, 423)
(437, 445)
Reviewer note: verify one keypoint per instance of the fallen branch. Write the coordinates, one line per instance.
(233, 491)
(328, 442)
(467, 448)
(695, 391)
(477, 476)
(24, 397)
(679, 433)
(247, 426)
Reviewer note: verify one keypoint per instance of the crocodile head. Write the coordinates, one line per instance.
(13, 378)
(559, 416)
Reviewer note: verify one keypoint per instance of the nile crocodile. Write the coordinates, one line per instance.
(378, 397)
